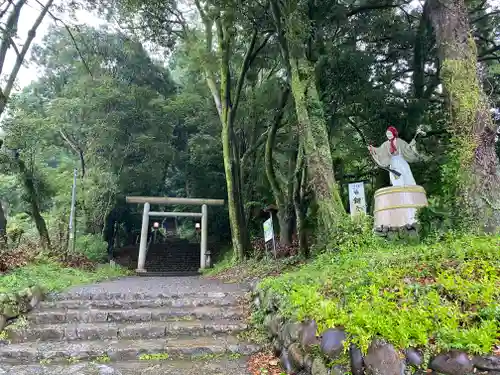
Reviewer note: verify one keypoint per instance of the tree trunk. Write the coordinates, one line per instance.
(29, 185)
(3, 228)
(473, 172)
(283, 196)
(298, 202)
(236, 214)
(313, 133)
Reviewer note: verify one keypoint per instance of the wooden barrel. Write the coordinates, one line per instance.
(396, 206)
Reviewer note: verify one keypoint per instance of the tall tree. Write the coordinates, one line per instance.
(473, 172)
(10, 14)
(225, 32)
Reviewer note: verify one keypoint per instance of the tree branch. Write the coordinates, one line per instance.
(75, 148)
(480, 18)
(370, 7)
(10, 26)
(271, 139)
(24, 51)
(58, 20)
(243, 71)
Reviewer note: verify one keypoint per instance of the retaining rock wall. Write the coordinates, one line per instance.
(303, 352)
(12, 305)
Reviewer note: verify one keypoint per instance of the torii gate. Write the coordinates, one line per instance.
(147, 201)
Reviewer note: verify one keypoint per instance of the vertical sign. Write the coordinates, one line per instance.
(357, 199)
(269, 232)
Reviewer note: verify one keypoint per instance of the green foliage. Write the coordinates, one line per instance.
(54, 277)
(230, 270)
(440, 295)
(92, 246)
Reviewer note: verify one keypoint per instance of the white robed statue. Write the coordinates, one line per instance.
(395, 154)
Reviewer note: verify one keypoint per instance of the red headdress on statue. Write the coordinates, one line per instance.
(394, 132)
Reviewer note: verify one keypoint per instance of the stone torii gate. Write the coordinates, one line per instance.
(147, 213)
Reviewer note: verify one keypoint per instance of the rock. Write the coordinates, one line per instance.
(318, 367)
(287, 363)
(276, 347)
(290, 333)
(297, 355)
(339, 370)
(269, 302)
(308, 334)
(490, 363)
(256, 303)
(452, 363)
(332, 342)
(91, 369)
(383, 359)
(273, 323)
(3, 322)
(356, 360)
(36, 296)
(414, 357)
(308, 362)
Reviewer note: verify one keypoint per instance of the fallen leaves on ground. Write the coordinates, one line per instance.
(264, 363)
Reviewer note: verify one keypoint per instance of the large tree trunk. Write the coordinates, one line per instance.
(29, 186)
(283, 195)
(313, 133)
(473, 172)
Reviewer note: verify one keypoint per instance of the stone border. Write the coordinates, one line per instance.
(12, 305)
(407, 232)
(303, 352)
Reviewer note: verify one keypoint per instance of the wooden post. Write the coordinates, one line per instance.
(144, 239)
(204, 236)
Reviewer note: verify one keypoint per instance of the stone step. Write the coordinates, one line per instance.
(210, 366)
(156, 273)
(56, 316)
(107, 331)
(99, 296)
(193, 301)
(122, 350)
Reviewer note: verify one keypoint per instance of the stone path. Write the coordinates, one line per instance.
(133, 326)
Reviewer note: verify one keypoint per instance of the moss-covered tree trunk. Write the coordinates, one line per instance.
(283, 195)
(295, 36)
(3, 228)
(299, 202)
(314, 136)
(29, 186)
(227, 107)
(473, 172)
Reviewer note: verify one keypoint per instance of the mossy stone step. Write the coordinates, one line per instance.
(206, 366)
(123, 350)
(189, 301)
(100, 296)
(106, 331)
(134, 315)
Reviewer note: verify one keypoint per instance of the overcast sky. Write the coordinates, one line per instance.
(29, 13)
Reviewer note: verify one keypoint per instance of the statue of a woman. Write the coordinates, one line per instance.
(395, 154)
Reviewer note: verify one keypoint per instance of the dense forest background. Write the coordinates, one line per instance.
(260, 103)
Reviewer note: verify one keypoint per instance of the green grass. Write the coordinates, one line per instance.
(54, 277)
(229, 270)
(434, 296)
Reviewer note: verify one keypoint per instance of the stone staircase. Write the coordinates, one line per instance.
(129, 334)
(174, 257)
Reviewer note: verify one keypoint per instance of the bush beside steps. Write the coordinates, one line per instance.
(303, 352)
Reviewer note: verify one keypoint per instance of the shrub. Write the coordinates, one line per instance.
(53, 276)
(440, 296)
(92, 246)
